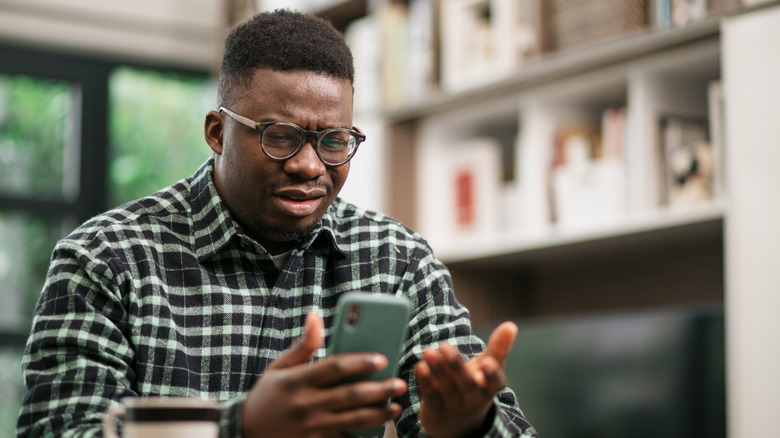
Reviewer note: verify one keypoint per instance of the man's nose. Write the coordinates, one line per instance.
(306, 163)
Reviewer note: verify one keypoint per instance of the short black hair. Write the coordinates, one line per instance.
(282, 40)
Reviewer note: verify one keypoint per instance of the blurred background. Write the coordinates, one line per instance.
(598, 171)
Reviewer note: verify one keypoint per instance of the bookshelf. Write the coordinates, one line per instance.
(643, 254)
(659, 69)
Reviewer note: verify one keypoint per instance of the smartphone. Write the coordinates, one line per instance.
(371, 322)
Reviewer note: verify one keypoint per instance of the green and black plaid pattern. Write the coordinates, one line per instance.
(167, 296)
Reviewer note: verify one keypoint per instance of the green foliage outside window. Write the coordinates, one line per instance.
(26, 243)
(33, 127)
(156, 130)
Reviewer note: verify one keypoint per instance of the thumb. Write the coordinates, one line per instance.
(500, 342)
(305, 347)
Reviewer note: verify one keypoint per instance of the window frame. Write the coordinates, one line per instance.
(91, 75)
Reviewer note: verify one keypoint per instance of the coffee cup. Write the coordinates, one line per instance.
(163, 417)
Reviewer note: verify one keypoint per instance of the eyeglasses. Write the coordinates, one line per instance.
(282, 140)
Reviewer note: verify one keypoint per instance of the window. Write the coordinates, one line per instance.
(78, 136)
(38, 170)
(37, 149)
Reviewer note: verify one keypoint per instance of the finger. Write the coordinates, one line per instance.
(442, 379)
(303, 349)
(495, 378)
(500, 342)
(422, 370)
(362, 418)
(360, 394)
(424, 378)
(462, 378)
(344, 367)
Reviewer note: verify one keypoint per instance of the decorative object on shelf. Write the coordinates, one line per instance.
(691, 166)
(687, 161)
(588, 187)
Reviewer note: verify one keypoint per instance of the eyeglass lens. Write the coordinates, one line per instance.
(281, 140)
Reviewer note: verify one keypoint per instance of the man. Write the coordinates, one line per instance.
(224, 285)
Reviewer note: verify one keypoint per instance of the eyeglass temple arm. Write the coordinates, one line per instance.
(239, 118)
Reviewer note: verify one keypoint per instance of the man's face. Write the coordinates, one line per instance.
(278, 202)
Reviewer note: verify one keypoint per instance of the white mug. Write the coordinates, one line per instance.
(163, 417)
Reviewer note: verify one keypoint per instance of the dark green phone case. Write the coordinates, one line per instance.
(371, 322)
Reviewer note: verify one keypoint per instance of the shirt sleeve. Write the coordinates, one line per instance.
(79, 357)
(439, 317)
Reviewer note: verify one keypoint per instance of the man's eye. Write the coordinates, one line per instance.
(334, 143)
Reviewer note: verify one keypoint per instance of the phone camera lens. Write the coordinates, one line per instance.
(353, 315)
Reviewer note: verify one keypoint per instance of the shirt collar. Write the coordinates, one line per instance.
(325, 233)
(214, 226)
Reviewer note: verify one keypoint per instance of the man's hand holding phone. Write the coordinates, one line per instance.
(294, 398)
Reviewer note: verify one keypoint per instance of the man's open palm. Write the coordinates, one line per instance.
(457, 395)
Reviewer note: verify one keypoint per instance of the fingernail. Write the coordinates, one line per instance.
(377, 360)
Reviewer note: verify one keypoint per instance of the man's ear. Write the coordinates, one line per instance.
(213, 130)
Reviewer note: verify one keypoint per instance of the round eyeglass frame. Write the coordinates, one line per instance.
(305, 133)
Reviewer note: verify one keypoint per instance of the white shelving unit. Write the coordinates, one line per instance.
(651, 256)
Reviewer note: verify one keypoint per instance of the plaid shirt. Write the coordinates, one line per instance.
(167, 296)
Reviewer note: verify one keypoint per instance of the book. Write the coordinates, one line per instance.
(363, 37)
(474, 187)
(661, 13)
(394, 20)
(613, 132)
(421, 50)
(533, 155)
(716, 132)
(482, 40)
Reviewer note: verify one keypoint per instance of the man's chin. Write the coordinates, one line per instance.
(281, 236)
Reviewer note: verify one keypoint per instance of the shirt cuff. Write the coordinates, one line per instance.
(230, 417)
(505, 424)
